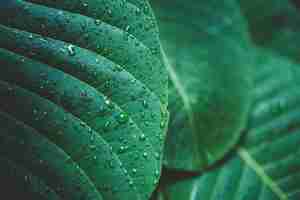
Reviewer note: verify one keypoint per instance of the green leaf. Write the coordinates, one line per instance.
(266, 165)
(18, 181)
(205, 44)
(275, 27)
(89, 77)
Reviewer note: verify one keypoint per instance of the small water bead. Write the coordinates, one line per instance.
(71, 50)
(127, 28)
(156, 155)
(111, 164)
(145, 104)
(97, 21)
(82, 123)
(26, 178)
(143, 137)
(147, 123)
(131, 183)
(107, 102)
(122, 149)
(145, 154)
(35, 112)
(94, 157)
(107, 125)
(162, 124)
(85, 5)
(123, 118)
(134, 170)
(156, 173)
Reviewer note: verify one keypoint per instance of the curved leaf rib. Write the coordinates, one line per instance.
(83, 144)
(19, 181)
(266, 165)
(80, 30)
(25, 146)
(126, 16)
(84, 102)
(93, 82)
(261, 173)
(108, 78)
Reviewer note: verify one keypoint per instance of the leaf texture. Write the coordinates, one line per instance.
(276, 27)
(266, 165)
(205, 44)
(88, 77)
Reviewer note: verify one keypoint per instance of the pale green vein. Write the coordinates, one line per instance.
(259, 170)
(186, 104)
(181, 91)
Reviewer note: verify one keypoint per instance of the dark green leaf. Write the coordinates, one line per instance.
(205, 44)
(266, 165)
(274, 24)
(89, 77)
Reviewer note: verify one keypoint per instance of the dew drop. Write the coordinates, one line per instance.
(142, 137)
(145, 104)
(97, 21)
(71, 50)
(156, 155)
(122, 149)
(131, 183)
(123, 118)
(145, 154)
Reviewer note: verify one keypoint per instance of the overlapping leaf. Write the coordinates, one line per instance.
(205, 44)
(86, 79)
(274, 24)
(266, 165)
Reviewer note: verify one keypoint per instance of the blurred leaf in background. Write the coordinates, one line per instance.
(205, 44)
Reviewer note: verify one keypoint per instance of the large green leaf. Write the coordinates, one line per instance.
(276, 26)
(205, 44)
(266, 165)
(88, 77)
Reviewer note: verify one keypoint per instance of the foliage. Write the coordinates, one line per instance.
(110, 100)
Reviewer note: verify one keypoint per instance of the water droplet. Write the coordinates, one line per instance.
(82, 123)
(107, 125)
(107, 102)
(145, 104)
(85, 5)
(142, 137)
(131, 183)
(97, 21)
(145, 154)
(162, 124)
(156, 155)
(123, 118)
(127, 28)
(94, 157)
(71, 50)
(156, 173)
(134, 170)
(122, 149)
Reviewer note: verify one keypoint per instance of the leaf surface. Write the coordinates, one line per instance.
(265, 166)
(89, 77)
(276, 26)
(205, 44)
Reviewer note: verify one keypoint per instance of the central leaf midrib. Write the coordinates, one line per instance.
(261, 173)
(187, 105)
